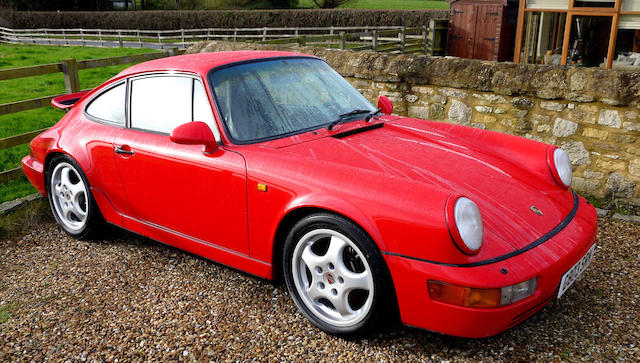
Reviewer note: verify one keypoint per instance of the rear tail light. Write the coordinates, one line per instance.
(480, 298)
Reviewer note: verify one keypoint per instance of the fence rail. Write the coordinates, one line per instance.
(426, 39)
(363, 37)
(69, 68)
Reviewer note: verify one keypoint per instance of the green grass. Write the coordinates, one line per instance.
(12, 56)
(6, 310)
(386, 4)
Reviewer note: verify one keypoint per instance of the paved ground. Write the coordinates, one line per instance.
(126, 298)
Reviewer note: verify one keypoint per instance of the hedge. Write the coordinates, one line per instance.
(163, 19)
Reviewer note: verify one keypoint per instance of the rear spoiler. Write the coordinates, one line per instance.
(65, 102)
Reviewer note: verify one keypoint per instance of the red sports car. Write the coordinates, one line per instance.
(271, 163)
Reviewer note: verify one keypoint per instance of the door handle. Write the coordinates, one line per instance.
(124, 150)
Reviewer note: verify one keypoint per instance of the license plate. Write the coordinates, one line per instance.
(574, 272)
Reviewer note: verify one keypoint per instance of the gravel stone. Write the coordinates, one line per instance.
(126, 298)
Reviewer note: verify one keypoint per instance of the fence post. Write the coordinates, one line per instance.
(64, 36)
(120, 43)
(432, 37)
(264, 34)
(70, 71)
(100, 37)
(139, 39)
(182, 36)
(374, 40)
(403, 37)
(82, 37)
(235, 35)
(425, 43)
(343, 41)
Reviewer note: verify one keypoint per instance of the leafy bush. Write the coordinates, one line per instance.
(330, 4)
(186, 19)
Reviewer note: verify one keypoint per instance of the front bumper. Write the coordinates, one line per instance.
(547, 261)
(34, 170)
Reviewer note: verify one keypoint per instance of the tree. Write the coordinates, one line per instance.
(330, 4)
(284, 4)
(41, 5)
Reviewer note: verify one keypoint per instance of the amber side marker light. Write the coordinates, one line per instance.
(480, 298)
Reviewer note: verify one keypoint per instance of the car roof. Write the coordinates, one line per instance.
(202, 62)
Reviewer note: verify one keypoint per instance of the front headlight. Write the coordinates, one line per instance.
(560, 166)
(465, 225)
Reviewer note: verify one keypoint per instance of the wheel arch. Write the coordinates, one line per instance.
(303, 207)
(294, 215)
(47, 164)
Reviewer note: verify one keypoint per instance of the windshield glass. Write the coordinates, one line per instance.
(274, 98)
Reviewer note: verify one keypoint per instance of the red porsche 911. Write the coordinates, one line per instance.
(273, 164)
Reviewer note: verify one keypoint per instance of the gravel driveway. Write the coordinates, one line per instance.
(127, 298)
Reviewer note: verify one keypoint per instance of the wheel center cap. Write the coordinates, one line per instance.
(330, 279)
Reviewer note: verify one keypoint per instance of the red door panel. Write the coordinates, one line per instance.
(178, 187)
(92, 144)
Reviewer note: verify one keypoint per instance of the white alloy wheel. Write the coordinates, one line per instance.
(69, 197)
(332, 277)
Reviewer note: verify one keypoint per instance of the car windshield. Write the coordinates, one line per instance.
(274, 98)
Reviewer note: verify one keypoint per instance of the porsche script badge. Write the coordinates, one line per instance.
(535, 210)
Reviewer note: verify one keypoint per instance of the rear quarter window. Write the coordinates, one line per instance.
(109, 105)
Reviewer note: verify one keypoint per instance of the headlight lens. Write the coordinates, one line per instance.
(468, 223)
(562, 165)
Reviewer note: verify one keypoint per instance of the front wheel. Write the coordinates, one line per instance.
(335, 274)
(70, 198)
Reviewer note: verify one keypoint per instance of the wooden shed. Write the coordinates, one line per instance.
(482, 29)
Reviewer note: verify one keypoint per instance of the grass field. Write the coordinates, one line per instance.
(386, 4)
(12, 56)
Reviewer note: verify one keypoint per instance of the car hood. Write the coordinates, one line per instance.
(507, 193)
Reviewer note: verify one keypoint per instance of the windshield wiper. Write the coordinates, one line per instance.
(344, 116)
(372, 114)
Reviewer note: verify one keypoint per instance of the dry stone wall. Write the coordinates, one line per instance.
(593, 114)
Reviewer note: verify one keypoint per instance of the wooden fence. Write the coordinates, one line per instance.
(428, 39)
(69, 68)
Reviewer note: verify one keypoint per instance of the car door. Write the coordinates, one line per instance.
(178, 188)
(106, 110)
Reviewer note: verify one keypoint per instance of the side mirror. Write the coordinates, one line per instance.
(385, 105)
(195, 133)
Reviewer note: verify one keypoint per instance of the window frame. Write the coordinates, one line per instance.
(99, 94)
(193, 77)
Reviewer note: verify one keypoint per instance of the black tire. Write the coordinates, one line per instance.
(93, 221)
(381, 311)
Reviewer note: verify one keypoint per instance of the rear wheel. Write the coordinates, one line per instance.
(70, 198)
(335, 274)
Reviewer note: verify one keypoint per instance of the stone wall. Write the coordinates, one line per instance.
(593, 114)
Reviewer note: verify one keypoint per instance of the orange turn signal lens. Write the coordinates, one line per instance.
(464, 296)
